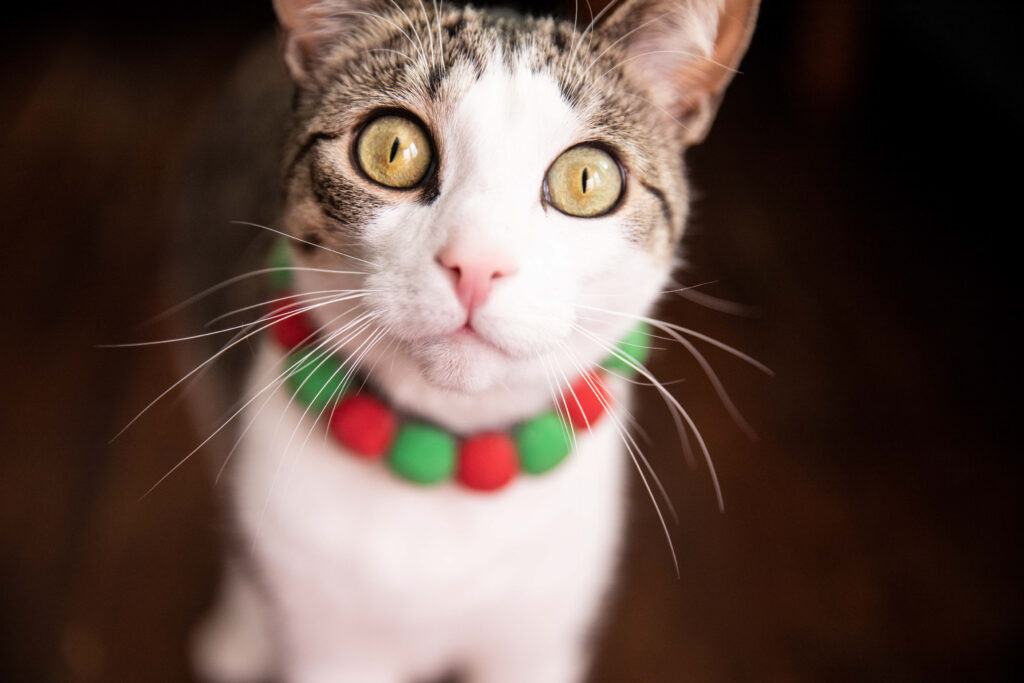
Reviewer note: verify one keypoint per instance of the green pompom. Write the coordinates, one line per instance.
(635, 346)
(280, 257)
(317, 381)
(543, 442)
(423, 454)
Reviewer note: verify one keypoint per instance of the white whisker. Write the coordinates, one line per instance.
(302, 241)
(426, 19)
(377, 17)
(304, 298)
(412, 25)
(236, 279)
(662, 325)
(716, 304)
(281, 464)
(622, 428)
(277, 382)
(273, 317)
(675, 403)
(224, 349)
(637, 456)
(215, 432)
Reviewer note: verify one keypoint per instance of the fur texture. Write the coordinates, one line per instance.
(354, 575)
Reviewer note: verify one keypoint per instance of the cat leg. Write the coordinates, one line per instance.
(324, 641)
(560, 661)
(342, 672)
(232, 643)
(342, 660)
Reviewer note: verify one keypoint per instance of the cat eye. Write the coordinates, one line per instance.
(585, 181)
(394, 151)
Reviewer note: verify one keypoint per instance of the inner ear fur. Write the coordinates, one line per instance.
(312, 27)
(685, 51)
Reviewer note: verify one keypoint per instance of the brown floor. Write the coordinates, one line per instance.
(870, 534)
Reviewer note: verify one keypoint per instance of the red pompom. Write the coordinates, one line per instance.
(586, 402)
(363, 425)
(291, 329)
(487, 462)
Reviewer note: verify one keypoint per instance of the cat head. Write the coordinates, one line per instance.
(503, 188)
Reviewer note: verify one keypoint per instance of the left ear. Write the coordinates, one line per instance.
(687, 51)
(311, 27)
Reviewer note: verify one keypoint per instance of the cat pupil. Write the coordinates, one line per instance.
(585, 176)
(394, 151)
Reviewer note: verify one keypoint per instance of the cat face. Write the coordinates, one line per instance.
(505, 188)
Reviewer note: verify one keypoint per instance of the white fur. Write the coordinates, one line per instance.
(496, 147)
(375, 579)
(370, 578)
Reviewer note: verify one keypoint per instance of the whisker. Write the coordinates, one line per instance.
(675, 403)
(302, 241)
(657, 106)
(300, 300)
(329, 347)
(634, 452)
(397, 52)
(588, 30)
(353, 361)
(205, 441)
(275, 317)
(304, 298)
(215, 432)
(375, 16)
(440, 44)
(622, 428)
(415, 32)
(716, 304)
(620, 39)
(688, 53)
(426, 18)
(712, 376)
(594, 19)
(567, 386)
(236, 279)
(662, 325)
(716, 383)
(206, 362)
(276, 382)
(288, 446)
(677, 422)
(549, 380)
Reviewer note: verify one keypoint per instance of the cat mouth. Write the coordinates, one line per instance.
(467, 334)
(469, 337)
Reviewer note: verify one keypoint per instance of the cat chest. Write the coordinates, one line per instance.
(311, 509)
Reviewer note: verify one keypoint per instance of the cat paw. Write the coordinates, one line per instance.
(231, 645)
(224, 651)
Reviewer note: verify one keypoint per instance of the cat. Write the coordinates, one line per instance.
(477, 208)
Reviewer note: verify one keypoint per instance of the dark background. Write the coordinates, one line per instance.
(857, 191)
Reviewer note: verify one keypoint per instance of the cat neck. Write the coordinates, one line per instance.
(523, 392)
(397, 377)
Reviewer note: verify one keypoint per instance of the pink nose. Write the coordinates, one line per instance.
(475, 271)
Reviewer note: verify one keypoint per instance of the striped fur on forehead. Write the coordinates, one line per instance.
(409, 56)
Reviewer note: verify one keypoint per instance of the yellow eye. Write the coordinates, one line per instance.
(394, 151)
(585, 181)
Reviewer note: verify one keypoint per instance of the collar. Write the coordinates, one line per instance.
(420, 452)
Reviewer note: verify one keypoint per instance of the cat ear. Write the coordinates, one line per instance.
(687, 51)
(311, 27)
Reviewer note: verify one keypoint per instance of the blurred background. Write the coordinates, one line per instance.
(856, 193)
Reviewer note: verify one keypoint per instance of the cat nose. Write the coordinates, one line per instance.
(475, 271)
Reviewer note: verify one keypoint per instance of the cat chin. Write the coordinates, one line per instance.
(466, 366)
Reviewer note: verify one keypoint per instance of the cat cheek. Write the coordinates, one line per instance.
(411, 310)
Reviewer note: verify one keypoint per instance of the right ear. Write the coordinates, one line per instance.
(687, 51)
(312, 27)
